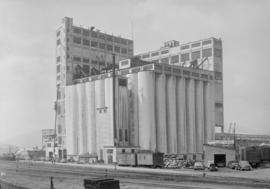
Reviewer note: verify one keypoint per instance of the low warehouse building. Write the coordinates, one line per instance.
(218, 154)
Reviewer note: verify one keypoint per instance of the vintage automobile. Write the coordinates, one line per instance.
(244, 166)
(198, 166)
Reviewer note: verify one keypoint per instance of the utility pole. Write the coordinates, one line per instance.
(113, 96)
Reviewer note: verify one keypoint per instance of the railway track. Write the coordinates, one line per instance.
(131, 177)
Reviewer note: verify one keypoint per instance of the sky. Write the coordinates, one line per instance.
(28, 43)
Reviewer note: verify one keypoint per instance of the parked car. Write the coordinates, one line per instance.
(233, 164)
(212, 167)
(198, 166)
(244, 166)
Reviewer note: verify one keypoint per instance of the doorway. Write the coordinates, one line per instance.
(220, 160)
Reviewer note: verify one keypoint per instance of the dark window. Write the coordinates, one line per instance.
(58, 78)
(174, 59)
(109, 151)
(196, 55)
(184, 47)
(146, 56)
(130, 50)
(117, 49)
(77, 30)
(196, 45)
(218, 105)
(109, 47)
(77, 40)
(94, 62)
(102, 45)
(165, 60)
(58, 42)
(217, 53)
(58, 59)
(49, 145)
(86, 42)
(78, 59)
(218, 75)
(130, 42)
(164, 52)
(86, 32)
(184, 57)
(120, 135)
(86, 60)
(124, 50)
(101, 36)
(86, 69)
(124, 41)
(207, 42)
(126, 135)
(155, 54)
(58, 33)
(207, 52)
(123, 150)
(109, 38)
(94, 34)
(122, 82)
(156, 61)
(94, 44)
(57, 68)
(132, 150)
(117, 40)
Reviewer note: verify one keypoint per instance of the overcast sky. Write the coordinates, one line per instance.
(27, 52)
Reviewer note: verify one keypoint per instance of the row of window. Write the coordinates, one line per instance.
(99, 35)
(198, 44)
(186, 56)
(95, 44)
(167, 51)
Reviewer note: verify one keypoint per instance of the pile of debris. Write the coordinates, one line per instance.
(174, 161)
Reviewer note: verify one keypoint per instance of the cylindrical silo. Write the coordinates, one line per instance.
(209, 111)
(190, 115)
(79, 89)
(160, 101)
(133, 109)
(171, 114)
(91, 111)
(100, 93)
(147, 130)
(181, 114)
(75, 119)
(199, 121)
(69, 119)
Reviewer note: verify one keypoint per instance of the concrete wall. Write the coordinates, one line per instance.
(89, 124)
(210, 151)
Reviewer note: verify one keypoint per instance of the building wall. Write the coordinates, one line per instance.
(209, 51)
(210, 151)
(89, 124)
(82, 52)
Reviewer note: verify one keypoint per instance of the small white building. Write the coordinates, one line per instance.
(218, 154)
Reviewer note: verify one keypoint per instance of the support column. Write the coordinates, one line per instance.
(199, 121)
(181, 115)
(161, 112)
(190, 115)
(91, 129)
(171, 114)
(133, 109)
(147, 130)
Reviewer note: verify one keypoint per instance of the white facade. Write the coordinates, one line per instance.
(89, 124)
(162, 108)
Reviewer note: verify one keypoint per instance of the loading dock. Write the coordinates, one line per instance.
(220, 155)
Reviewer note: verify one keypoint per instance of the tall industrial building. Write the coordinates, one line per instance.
(169, 100)
(204, 54)
(82, 52)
